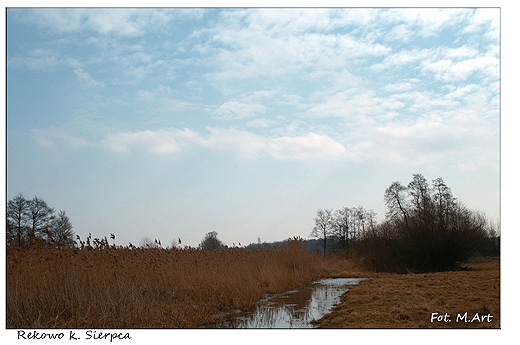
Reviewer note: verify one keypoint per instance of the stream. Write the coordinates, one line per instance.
(291, 309)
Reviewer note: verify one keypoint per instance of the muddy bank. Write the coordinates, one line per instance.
(468, 298)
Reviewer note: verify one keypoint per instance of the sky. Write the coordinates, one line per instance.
(171, 123)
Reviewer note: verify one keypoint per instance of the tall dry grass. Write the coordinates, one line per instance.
(149, 288)
(390, 300)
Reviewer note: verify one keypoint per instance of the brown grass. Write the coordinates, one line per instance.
(149, 288)
(408, 301)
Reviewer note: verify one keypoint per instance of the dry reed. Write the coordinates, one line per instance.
(149, 288)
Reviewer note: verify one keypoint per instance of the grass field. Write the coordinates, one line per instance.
(414, 300)
(149, 288)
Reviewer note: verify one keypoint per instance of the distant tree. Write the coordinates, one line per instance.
(41, 216)
(444, 203)
(370, 220)
(352, 224)
(420, 198)
(61, 229)
(18, 220)
(35, 219)
(426, 230)
(343, 226)
(210, 241)
(324, 226)
(396, 202)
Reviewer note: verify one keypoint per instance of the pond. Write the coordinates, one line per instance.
(291, 309)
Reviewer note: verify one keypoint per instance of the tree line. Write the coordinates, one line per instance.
(425, 229)
(32, 220)
(342, 227)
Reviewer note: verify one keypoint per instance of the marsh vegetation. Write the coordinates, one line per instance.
(108, 286)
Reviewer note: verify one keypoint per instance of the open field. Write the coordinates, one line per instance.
(149, 288)
(409, 300)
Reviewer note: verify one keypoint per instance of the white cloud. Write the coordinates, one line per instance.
(47, 138)
(155, 142)
(145, 95)
(233, 110)
(250, 145)
(405, 85)
(448, 70)
(402, 58)
(487, 19)
(261, 123)
(247, 44)
(42, 59)
(428, 21)
(246, 105)
(305, 147)
(353, 104)
(246, 144)
(118, 22)
(462, 139)
(85, 77)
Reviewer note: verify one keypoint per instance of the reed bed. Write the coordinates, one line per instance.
(122, 287)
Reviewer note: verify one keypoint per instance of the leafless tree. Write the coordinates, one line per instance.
(445, 203)
(324, 226)
(18, 219)
(351, 224)
(61, 229)
(426, 230)
(342, 226)
(28, 219)
(420, 198)
(40, 216)
(396, 202)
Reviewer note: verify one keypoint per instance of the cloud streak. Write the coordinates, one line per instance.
(246, 144)
(249, 145)
(155, 142)
(86, 77)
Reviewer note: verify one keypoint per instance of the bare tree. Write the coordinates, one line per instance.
(18, 220)
(324, 226)
(28, 219)
(396, 202)
(427, 230)
(342, 226)
(444, 202)
(371, 220)
(210, 241)
(61, 229)
(421, 200)
(40, 216)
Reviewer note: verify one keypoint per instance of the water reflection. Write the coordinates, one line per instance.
(293, 309)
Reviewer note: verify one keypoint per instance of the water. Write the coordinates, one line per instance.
(292, 309)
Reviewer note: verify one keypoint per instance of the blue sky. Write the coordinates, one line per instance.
(172, 123)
